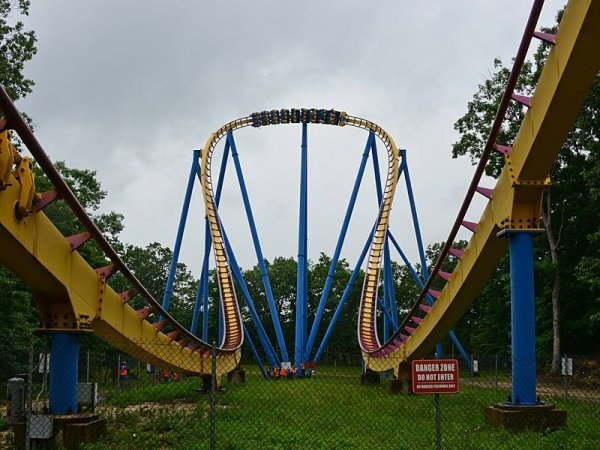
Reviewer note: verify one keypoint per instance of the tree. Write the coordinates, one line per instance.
(20, 320)
(151, 266)
(88, 190)
(17, 46)
(567, 213)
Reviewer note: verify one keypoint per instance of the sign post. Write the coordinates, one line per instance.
(435, 376)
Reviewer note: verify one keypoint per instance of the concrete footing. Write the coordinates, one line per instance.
(236, 376)
(541, 417)
(394, 386)
(370, 378)
(207, 384)
(65, 431)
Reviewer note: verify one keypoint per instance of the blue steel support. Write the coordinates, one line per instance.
(522, 312)
(385, 311)
(180, 231)
(248, 340)
(196, 313)
(389, 301)
(343, 298)
(388, 274)
(392, 291)
(258, 250)
(424, 269)
(385, 304)
(64, 364)
(338, 248)
(415, 217)
(407, 263)
(239, 277)
(466, 358)
(301, 272)
(205, 307)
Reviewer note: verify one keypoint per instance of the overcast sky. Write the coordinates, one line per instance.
(130, 88)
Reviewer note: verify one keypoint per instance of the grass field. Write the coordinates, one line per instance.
(328, 412)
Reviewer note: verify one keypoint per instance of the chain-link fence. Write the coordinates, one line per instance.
(131, 404)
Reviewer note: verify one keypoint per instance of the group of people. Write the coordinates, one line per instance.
(281, 372)
(165, 375)
(308, 370)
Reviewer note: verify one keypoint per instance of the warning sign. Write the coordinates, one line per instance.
(435, 376)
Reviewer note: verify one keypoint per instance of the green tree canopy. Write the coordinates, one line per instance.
(17, 46)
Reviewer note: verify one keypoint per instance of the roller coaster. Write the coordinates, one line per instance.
(73, 297)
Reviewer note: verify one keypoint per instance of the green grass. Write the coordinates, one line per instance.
(328, 412)
(154, 392)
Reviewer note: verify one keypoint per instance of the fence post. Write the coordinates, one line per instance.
(565, 367)
(496, 370)
(471, 369)
(118, 384)
(438, 422)
(87, 370)
(213, 395)
(29, 393)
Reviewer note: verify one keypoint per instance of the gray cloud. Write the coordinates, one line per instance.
(130, 88)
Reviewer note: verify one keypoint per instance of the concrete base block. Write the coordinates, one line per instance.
(395, 386)
(370, 378)
(542, 417)
(78, 433)
(207, 384)
(236, 376)
(69, 432)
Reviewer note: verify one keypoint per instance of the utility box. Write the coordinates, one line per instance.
(15, 394)
(40, 426)
(87, 395)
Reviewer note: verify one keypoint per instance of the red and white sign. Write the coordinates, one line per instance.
(435, 376)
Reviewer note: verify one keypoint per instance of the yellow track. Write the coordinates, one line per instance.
(367, 319)
(571, 67)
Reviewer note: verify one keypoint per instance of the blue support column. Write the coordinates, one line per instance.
(64, 365)
(262, 334)
(258, 250)
(180, 231)
(389, 275)
(338, 248)
(385, 305)
(301, 273)
(424, 269)
(522, 312)
(466, 358)
(344, 298)
(196, 313)
(259, 363)
(205, 306)
(384, 310)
